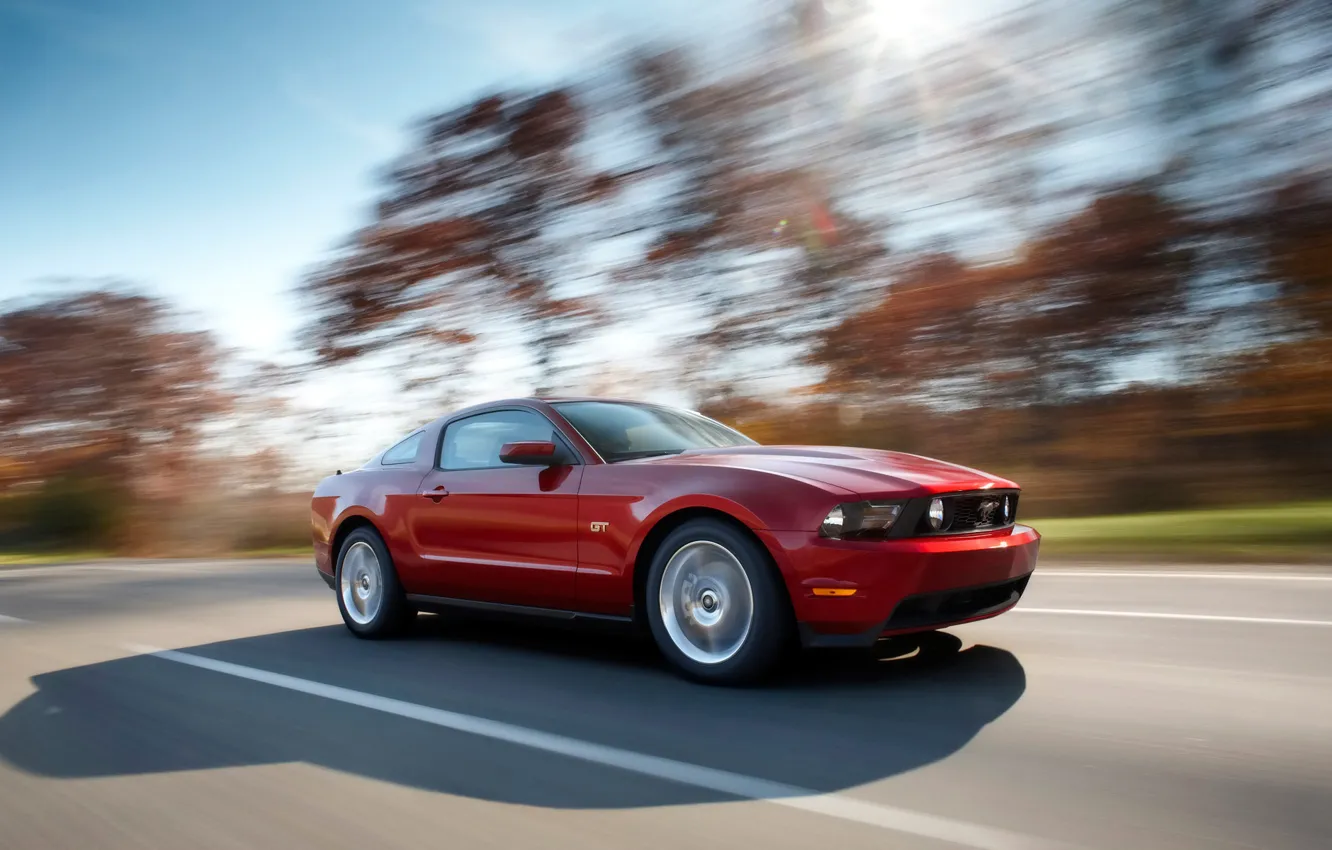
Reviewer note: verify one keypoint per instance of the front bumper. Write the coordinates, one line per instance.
(901, 586)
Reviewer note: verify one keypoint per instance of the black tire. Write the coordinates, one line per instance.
(771, 628)
(393, 614)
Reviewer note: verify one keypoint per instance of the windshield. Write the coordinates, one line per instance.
(627, 431)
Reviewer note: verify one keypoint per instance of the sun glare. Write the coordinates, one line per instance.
(912, 26)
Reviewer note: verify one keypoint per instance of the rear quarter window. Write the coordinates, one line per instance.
(404, 452)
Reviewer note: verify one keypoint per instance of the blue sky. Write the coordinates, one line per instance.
(212, 151)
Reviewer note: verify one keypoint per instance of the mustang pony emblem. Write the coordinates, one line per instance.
(986, 511)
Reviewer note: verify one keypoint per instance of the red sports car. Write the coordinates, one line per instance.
(726, 550)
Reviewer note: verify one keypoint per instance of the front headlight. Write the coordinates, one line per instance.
(860, 520)
(833, 523)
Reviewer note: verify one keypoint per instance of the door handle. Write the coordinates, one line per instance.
(436, 494)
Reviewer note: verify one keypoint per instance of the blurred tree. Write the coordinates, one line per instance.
(1094, 291)
(1236, 91)
(1297, 225)
(258, 436)
(1054, 323)
(475, 229)
(1284, 384)
(104, 390)
(922, 338)
(747, 245)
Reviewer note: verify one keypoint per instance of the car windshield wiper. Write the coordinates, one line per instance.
(639, 455)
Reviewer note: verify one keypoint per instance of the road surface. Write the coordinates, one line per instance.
(1113, 710)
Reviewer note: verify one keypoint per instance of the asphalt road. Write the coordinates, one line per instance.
(1191, 710)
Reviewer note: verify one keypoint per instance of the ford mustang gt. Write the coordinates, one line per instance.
(728, 552)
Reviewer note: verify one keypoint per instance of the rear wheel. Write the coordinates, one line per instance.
(715, 604)
(371, 600)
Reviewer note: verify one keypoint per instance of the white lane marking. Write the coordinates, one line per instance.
(1165, 615)
(13, 621)
(1152, 574)
(721, 781)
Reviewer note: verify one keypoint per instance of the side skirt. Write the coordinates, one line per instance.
(438, 604)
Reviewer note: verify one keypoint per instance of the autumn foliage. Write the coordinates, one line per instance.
(835, 238)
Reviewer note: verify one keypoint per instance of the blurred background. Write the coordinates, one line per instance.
(1087, 246)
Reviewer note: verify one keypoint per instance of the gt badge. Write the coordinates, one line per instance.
(600, 526)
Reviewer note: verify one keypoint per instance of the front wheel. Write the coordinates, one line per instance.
(715, 604)
(370, 598)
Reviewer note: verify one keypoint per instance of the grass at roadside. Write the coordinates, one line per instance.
(1291, 533)
(39, 558)
(27, 558)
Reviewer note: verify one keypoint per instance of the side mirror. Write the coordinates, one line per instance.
(533, 453)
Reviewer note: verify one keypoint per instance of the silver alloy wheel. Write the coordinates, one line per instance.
(362, 583)
(706, 603)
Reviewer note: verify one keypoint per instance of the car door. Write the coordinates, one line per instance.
(495, 532)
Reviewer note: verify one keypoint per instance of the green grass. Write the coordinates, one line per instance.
(58, 557)
(1290, 532)
(49, 557)
(28, 558)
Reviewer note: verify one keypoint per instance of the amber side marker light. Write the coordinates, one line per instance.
(834, 591)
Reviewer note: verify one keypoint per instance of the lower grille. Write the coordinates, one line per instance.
(949, 606)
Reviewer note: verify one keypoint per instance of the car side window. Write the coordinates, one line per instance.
(474, 442)
(404, 452)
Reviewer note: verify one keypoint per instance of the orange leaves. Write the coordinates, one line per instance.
(484, 113)
(423, 237)
(673, 246)
(1298, 230)
(548, 123)
(104, 375)
(451, 337)
(924, 328)
(602, 186)
(1046, 324)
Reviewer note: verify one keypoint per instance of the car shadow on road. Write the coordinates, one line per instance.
(831, 721)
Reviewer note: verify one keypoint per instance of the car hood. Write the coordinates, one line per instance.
(859, 471)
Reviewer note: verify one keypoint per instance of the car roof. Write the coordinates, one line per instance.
(569, 398)
(538, 402)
